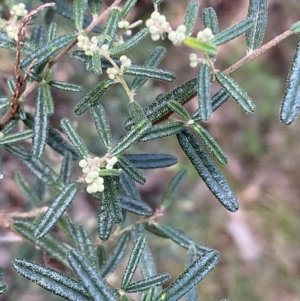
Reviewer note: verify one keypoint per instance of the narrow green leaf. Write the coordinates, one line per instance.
(129, 4)
(111, 27)
(102, 124)
(150, 161)
(210, 143)
(19, 151)
(129, 168)
(4, 101)
(11, 84)
(52, 31)
(162, 130)
(173, 187)
(111, 198)
(136, 111)
(38, 35)
(233, 32)
(93, 96)
(95, 6)
(40, 126)
(128, 186)
(129, 139)
(190, 18)
(153, 61)
(190, 277)
(105, 223)
(210, 19)
(66, 167)
(43, 53)
(179, 109)
(205, 47)
(1, 172)
(258, 11)
(295, 28)
(148, 283)
(47, 99)
(48, 243)
(216, 101)
(65, 86)
(237, 93)
(74, 138)
(207, 170)
(150, 72)
(135, 205)
(56, 209)
(130, 43)
(116, 256)
(2, 271)
(94, 285)
(10, 126)
(51, 280)
(96, 63)
(133, 261)
(27, 190)
(157, 1)
(10, 3)
(78, 12)
(290, 105)
(101, 253)
(16, 137)
(109, 172)
(3, 287)
(205, 103)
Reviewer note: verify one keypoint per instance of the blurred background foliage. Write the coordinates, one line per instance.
(259, 245)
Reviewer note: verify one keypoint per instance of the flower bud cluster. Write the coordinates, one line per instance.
(157, 24)
(19, 10)
(88, 46)
(12, 31)
(114, 72)
(193, 60)
(110, 162)
(177, 36)
(205, 35)
(90, 169)
(123, 24)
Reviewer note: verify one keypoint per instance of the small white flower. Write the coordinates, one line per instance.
(82, 163)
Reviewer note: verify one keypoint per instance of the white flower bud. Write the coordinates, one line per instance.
(83, 163)
(108, 166)
(181, 28)
(193, 57)
(155, 15)
(194, 64)
(93, 47)
(100, 188)
(88, 180)
(153, 29)
(161, 19)
(99, 181)
(155, 37)
(86, 169)
(149, 23)
(104, 47)
(207, 31)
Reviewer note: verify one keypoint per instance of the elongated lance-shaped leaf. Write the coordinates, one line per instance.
(19, 151)
(11, 84)
(157, 1)
(96, 63)
(191, 257)
(43, 53)
(258, 11)
(190, 277)
(4, 101)
(129, 4)
(128, 186)
(101, 253)
(129, 139)
(191, 15)
(179, 109)
(103, 172)
(237, 93)
(65, 86)
(111, 198)
(207, 170)
(66, 167)
(136, 111)
(233, 32)
(15, 137)
(205, 104)
(94, 285)
(150, 161)
(173, 187)
(153, 61)
(95, 6)
(51, 280)
(105, 223)
(150, 72)
(210, 143)
(102, 124)
(3, 286)
(162, 130)
(130, 43)
(10, 126)
(291, 99)
(210, 19)
(176, 235)
(38, 35)
(1, 172)
(295, 28)
(135, 205)
(203, 46)
(148, 283)
(74, 138)
(93, 96)
(133, 261)
(110, 29)
(48, 243)
(41, 122)
(129, 168)
(116, 256)
(52, 31)
(27, 190)
(159, 108)
(217, 100)
(47, 100)
(78, 12)
(56, 209)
